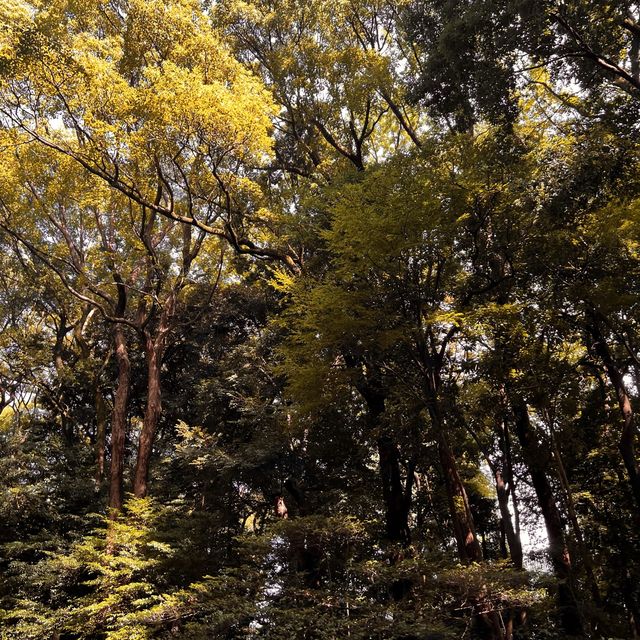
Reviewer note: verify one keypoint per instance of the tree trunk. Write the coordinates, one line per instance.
(537, 460)
(513, 540)
(631, 603)
(510, 479)
(154, 350)
(504, 554)
(101, 430)
(573, 518)
(396, 502)
(628, 436)
(119, 418)
(152, 414)
(469, 548)
(504, 487)
(66, 422)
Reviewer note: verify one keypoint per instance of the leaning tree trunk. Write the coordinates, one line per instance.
(119, 418)
(469, 548)
(573, 517)
(628, 435)
(537, 460)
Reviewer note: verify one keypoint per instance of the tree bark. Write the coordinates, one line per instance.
(119, 418)
(537, 461)
(152, 414)
(154, 346)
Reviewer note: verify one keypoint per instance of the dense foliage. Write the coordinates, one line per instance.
(320, 319)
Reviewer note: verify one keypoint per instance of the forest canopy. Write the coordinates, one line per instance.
(320, 319)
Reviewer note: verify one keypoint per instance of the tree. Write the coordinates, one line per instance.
(165, 146)
(475, 56)
(369, 266)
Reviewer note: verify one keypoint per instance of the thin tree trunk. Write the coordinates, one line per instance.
(537, 461)
(507, 532)
(630, 600)
(573, 517)
(628, 436)
(101, 430)
(508, 627)
(119, 418)
(469, 548)
(102, 409)
(504, 487)
(510, 479)
(154, 350)
(66, 422)
(513, 540)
